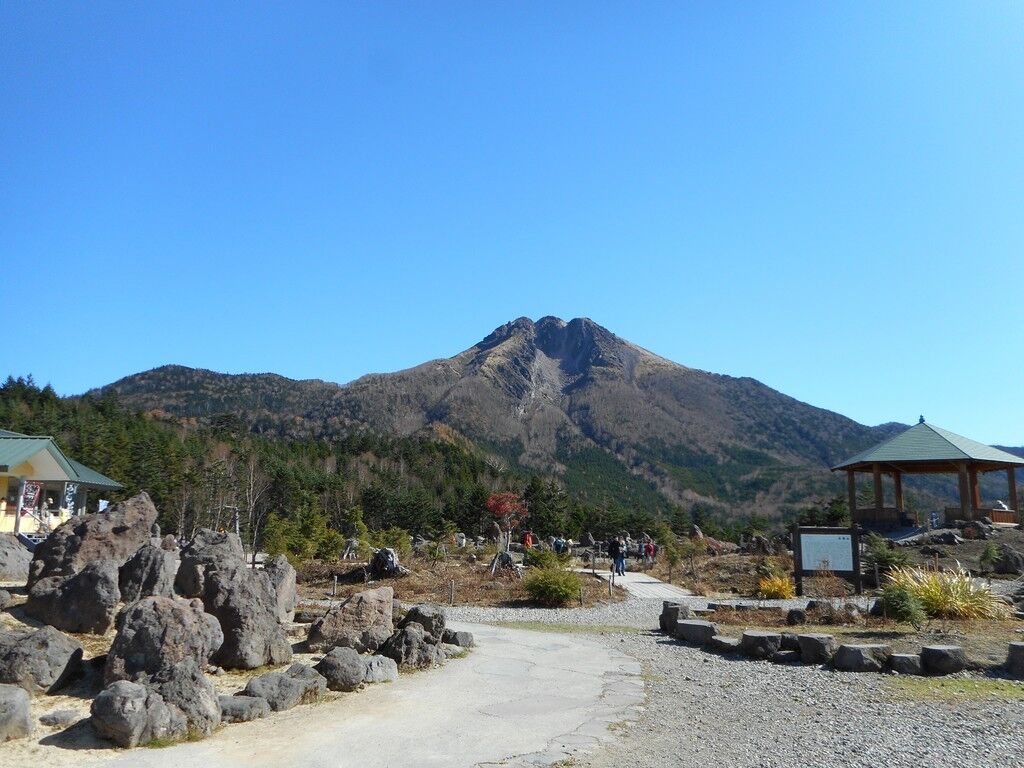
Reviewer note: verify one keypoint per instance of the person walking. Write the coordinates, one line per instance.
(614, 552)
(649, 554)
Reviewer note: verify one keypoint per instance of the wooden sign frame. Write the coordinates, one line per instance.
(799, 572)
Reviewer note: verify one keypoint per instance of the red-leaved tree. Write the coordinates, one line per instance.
(508, 509)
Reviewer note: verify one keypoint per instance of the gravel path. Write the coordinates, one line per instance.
(707, 710)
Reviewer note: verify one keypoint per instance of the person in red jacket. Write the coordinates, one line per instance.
(529, 540)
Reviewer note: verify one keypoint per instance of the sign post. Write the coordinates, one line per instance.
(836, 550)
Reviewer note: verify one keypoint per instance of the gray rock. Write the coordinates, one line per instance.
(796, 616)
(343, 668)
(159, 632)
(242, 709)
(15, 713)
(694, 631)
(5, 599)
(363, 622)
(790, 642)
(461, 639)
(83, 602)
(671, 613)
(14, 559)
(59, 718)
(150, 571)
(861, 658)
(906, 663)
(185, 687)
(112, 535)
(129, 714)
(40, 661)
(379, 669)
(283, 578)
(786, 657)
(208, 550)
(384, 565)
(816, 648)
(430, 616)
(943, 659)
(411, 646)
(1015, 660)
(298, 684)
(245, 604)
(723, 645)
(1010, 561)
(760, 645)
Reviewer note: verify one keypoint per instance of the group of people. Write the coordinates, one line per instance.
(622, 546)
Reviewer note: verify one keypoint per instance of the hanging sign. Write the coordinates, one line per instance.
(70, 492)
(30, 497)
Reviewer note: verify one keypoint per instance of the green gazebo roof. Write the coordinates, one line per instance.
(927, 444)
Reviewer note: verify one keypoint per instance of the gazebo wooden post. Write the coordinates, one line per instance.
(897, 489)
(972, 476)
(851, 494)
(876, 472)
(1011, 481)
(965, 491)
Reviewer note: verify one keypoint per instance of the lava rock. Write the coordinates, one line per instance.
(185, 687)
(861, 658)
(411, 646)
(283, 579)
(760, 645)
(379, 669)
(906, 663)
(242, 709)
(59, 718)
(14, 559)
(461, 639)
(816, 648)
(943, 659)
(245, 604)
(695, 631)
(15, 713)
(430, 616)
(208, 550)
(84, 602)
(129, 714)
(298, 684)
(795, 616)
(343, 668)
(363, 622)
(150, 571)
(40, 661)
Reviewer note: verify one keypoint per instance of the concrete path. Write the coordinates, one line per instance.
(641, 585)
(520, 698)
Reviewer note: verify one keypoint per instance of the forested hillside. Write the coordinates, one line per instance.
(205, 475)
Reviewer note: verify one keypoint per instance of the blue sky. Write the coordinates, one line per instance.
(824, 196)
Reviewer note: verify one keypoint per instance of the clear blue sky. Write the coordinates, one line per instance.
(828, 197)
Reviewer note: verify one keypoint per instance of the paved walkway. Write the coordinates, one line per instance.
(521, 698)
(641, 585)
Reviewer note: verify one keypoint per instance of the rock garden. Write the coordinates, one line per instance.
(121, 637)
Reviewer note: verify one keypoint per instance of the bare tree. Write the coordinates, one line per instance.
(256, 482)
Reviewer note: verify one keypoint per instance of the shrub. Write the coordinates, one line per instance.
(988, 558)
(553, 587)
(544, 558)
(776, 588)
(949, 594)
(397, 539)
(903, 605)
(878, 552)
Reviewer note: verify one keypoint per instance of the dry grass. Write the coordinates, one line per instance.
(955, 689)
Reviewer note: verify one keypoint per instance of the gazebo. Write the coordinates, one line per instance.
(925, 449)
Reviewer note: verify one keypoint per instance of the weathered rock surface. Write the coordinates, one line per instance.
(694, 631)
(671, 613)
(40, 660)
(112, 535)
(298, 684)
(129, 714)
(722, 644)
(245, 604)
(59, 718)
(861, 658)
(384, 564)
(84, 602)
(242, 709)
(1015, 660)
(159, 632)
(785, 657)
(430, 616)
(283, 579)
(185, 687)
(14, 559)
(363, 623)
(379, 669)
(1010, 561)
(15, 713)
(411, 646)
(5, 599)
(906, 663)
(760, 645)
(343, 668)
(943, 659)
(816, 648)
(208, 550)
(461, 639)
(150, 571)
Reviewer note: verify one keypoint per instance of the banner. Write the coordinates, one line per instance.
(70, 493)
(30, 497)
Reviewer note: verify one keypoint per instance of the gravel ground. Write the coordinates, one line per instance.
(707, 710)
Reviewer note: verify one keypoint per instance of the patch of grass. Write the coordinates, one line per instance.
(570, 629)
(955, 689)
(164, 742)
(458, 654)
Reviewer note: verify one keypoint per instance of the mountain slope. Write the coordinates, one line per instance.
(569, 399)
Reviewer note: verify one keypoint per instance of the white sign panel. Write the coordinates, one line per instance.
(833, 549)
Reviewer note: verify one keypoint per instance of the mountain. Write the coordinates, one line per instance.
(608, 418)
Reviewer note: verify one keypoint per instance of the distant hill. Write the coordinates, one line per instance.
(608, 418)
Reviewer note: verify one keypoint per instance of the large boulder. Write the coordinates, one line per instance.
(283, 578)
(112, 535)
(242, 709)
(208, 550)
(298, 684)
(363, 622)
(14, 559)
(157, 633)
(40, 660)
(84, 602)
(694, 631)
(943, 659)
(412, 646)
(343, 668)
(150, 571)
(671, 613)
(15, 713)
(185, 687)
(461, 638)
(816, 648)
(129, 714)
(245, 604)
(430, 616)
(384, 564)
(1015, 660)
(1010, 561)
(906, 664)
(760, 645)
(861, 658)
(379, 669)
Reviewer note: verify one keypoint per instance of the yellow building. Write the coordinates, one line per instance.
(42, 484)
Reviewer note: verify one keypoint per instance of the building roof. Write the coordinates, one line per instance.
(16, 448)
(925, 443)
